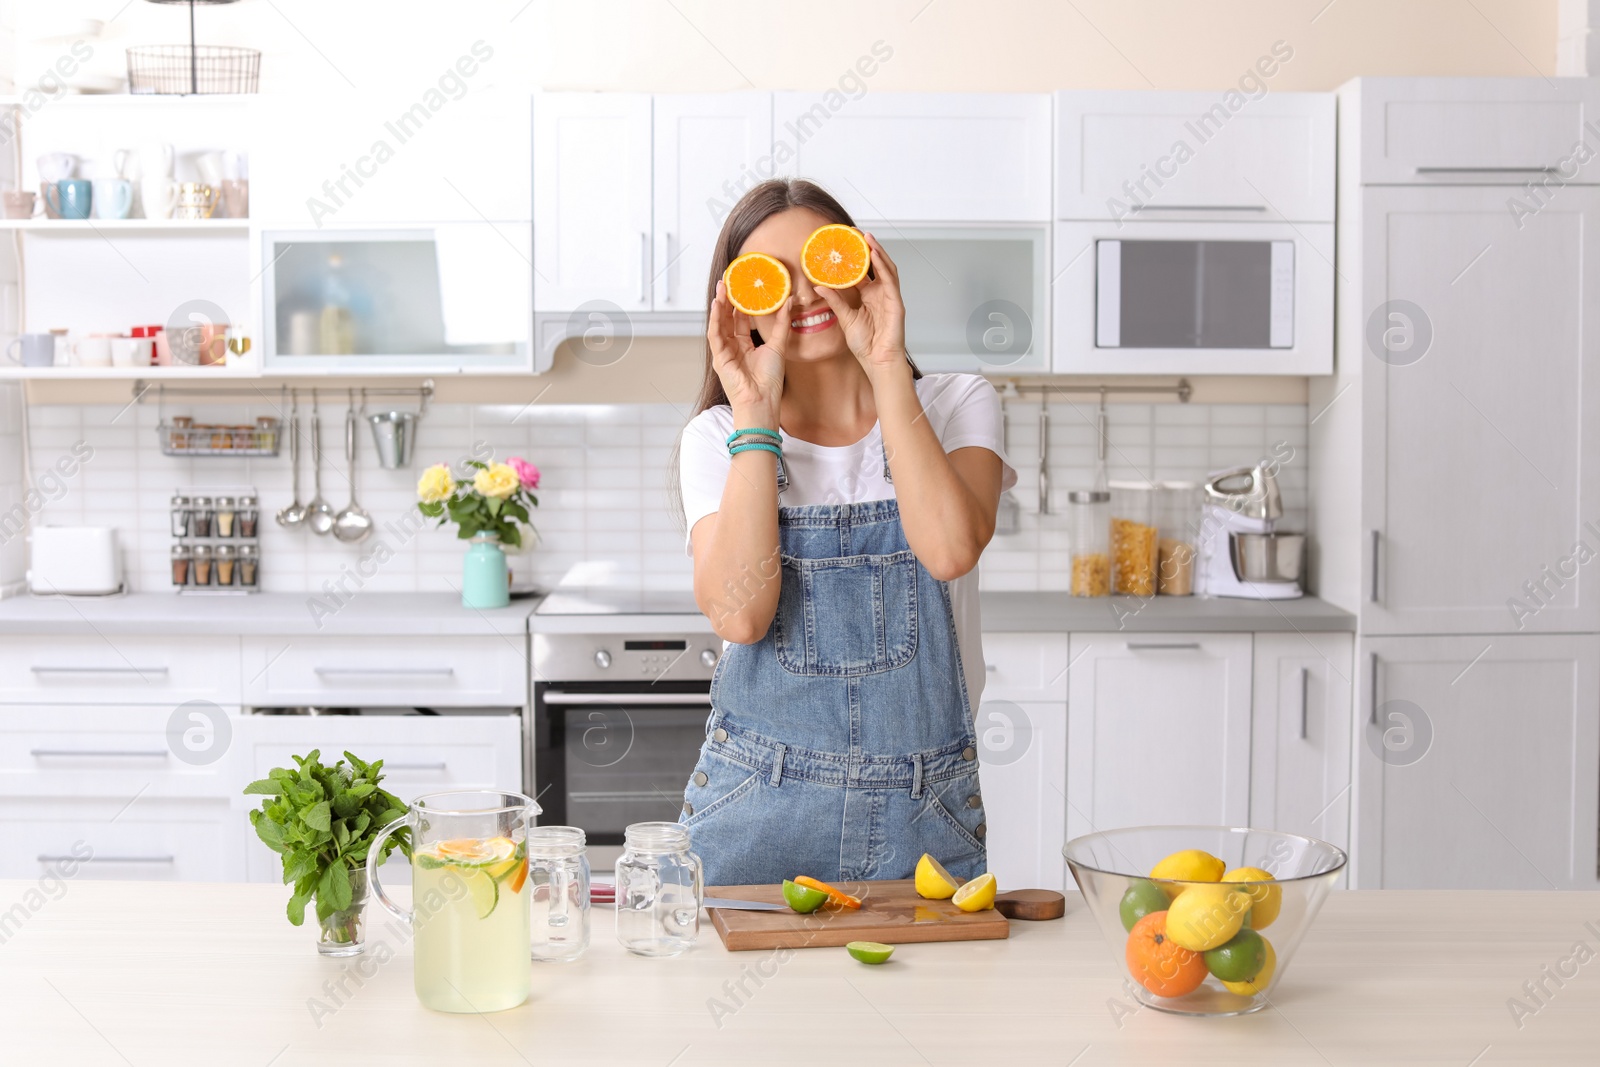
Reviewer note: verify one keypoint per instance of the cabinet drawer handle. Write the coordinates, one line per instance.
(333, 671)
(644, 267)
(1198, 207)
(108, 859)
(124, 753)
(99, 670)
(1485, 170)
(666, 272)
(558, 698)
(441, 765)
(1372, 682)
(1305, 676)
(1372, 594)
(1163, 646)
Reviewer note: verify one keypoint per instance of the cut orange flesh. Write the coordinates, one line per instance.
(756, 283)
(837, 898)
(836, 257)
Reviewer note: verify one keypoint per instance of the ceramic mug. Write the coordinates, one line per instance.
(209, 164)
(196, 200)
(22, 204)
(44, 198)
(38, 349)
(125, 164)
(71, 198)
(236, 198)
(155, 160)
(131, 351)
(93, 351)
(158, 195)
(57, 166)
(113, 198)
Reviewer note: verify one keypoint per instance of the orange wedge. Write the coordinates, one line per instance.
(756, 283)
(836, 257)
(837, 898)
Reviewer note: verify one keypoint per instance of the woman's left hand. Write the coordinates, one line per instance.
(874, 321)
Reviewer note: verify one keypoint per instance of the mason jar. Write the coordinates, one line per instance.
(659, 890)
(558, 876)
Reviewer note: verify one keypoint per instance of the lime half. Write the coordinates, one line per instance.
(803, 898)
(869, 951)
(482, 889)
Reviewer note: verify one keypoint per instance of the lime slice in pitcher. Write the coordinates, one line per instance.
(483, 890)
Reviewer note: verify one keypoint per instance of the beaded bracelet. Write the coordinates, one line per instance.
(751, 446)
(735, 435)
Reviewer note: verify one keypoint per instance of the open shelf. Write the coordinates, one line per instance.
(94, 226)
(154, 375)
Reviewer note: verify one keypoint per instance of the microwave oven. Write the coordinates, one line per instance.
(1194, 298)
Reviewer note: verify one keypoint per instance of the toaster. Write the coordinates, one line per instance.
(75, 560)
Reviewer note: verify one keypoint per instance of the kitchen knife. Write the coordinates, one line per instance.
(601, 893)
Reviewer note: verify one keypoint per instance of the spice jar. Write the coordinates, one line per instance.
(1177, 522)
(179, 434)
(266, 433)
(181, 559)
(1089, 530)
(224, 516)
(202, 565)
(224, 563)
(248, 561)
(659, 890)
(181, 506)
(1133, 538)
(249, 511)
(200, 518)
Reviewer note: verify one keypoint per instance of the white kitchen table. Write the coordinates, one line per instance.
(163, 973)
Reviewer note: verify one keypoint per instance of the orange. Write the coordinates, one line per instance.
(756, 283)
(836, 256)
(837, 898)
(1160, 964)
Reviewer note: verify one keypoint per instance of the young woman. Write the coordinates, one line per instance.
(840, 743)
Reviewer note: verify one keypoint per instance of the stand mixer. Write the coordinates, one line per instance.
(1241, 553)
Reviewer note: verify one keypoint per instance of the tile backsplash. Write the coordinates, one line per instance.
(603, 497)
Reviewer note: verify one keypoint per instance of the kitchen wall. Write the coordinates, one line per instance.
(13, 546)
(603, 499)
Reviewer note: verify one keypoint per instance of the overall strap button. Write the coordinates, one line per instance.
(700, 778)
(975, 801)
(688, 809)
(969, 753)
(719, 734)
(982, 831)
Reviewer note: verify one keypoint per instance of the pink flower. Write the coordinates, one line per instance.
(527, 473)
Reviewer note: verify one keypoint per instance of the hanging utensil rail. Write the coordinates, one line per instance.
(1182, 389)
(162, 390)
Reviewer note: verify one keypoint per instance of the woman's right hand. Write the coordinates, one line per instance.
(751, 376)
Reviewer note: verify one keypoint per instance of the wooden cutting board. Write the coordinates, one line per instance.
(890, 912)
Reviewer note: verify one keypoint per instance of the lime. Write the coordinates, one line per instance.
(869, 951)
(1252, 986)
(428, 861)
(802, 898)
(1141, 899)
(1240, 959)
(483, 890)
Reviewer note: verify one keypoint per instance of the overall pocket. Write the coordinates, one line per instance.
(848, 616)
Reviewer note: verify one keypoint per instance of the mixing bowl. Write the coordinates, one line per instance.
(1187, 942)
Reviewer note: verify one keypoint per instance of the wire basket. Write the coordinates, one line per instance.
(180, 437)
(185, 69)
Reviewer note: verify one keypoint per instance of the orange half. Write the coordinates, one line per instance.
(837, 898)
(836, 256)
(756, 283)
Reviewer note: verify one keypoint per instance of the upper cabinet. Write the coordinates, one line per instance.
(1202, 155)
(1483, 131)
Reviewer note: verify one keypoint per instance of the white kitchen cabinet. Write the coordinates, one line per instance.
(923, 157)
(1195, 155)
(1027, 667)
(120, 669)
(709, 148)
(1158, 730)
(129, 751)
(1300, 734)
(152, 840)
(1022, 751)
(385, 672)
(1477, 762)
(592, 210)
(1480, 416)
(1490, 131)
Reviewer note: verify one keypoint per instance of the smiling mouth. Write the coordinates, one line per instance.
(813, 323)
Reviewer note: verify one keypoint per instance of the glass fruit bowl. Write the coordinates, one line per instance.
(1203, 920)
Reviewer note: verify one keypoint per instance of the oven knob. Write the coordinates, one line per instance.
(708, 658)
(602, 659)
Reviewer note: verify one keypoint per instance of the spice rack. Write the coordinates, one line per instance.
(182, 437)
(216, 540)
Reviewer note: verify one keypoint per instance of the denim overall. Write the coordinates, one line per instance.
(841, 744)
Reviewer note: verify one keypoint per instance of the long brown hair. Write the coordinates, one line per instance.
(755, 207)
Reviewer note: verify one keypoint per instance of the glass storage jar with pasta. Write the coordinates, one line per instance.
(1133, 538)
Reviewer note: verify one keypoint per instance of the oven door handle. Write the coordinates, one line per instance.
(560, 698)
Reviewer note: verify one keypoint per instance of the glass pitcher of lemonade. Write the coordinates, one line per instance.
(469, 893)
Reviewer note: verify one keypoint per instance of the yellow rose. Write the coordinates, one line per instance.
(435, 484)
(498, 480)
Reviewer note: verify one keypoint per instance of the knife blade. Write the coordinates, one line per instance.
(742, 905)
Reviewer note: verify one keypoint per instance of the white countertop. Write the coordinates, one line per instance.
(177, 974)
(1055, 612)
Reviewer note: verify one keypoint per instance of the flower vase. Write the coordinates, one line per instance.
(485, 582)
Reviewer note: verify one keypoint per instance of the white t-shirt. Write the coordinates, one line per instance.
(963, 410)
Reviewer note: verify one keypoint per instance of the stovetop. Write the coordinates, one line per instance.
(604, 600)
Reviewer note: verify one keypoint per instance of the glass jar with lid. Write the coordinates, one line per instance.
(224, 557)
(225, 516)
(200, 518)
(182, 507)
(201, 571)
(182, 560)
(249, 566)
(247, 515)
(1089, 533)
(1177, 524)
(1133, 538)
(659, 890)
(558, 878)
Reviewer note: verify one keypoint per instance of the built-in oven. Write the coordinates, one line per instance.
(618, 720)
(1195, 297)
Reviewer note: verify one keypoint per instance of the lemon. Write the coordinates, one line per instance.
(1190, 865)
(1251, 986)
(976, 895)
(1204, 916)
(933, 881)
(869, 951)
(1266, 900)
(484, 891)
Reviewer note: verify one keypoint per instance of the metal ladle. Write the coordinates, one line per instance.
(320, 512)
(293, 514)
(353, 523)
